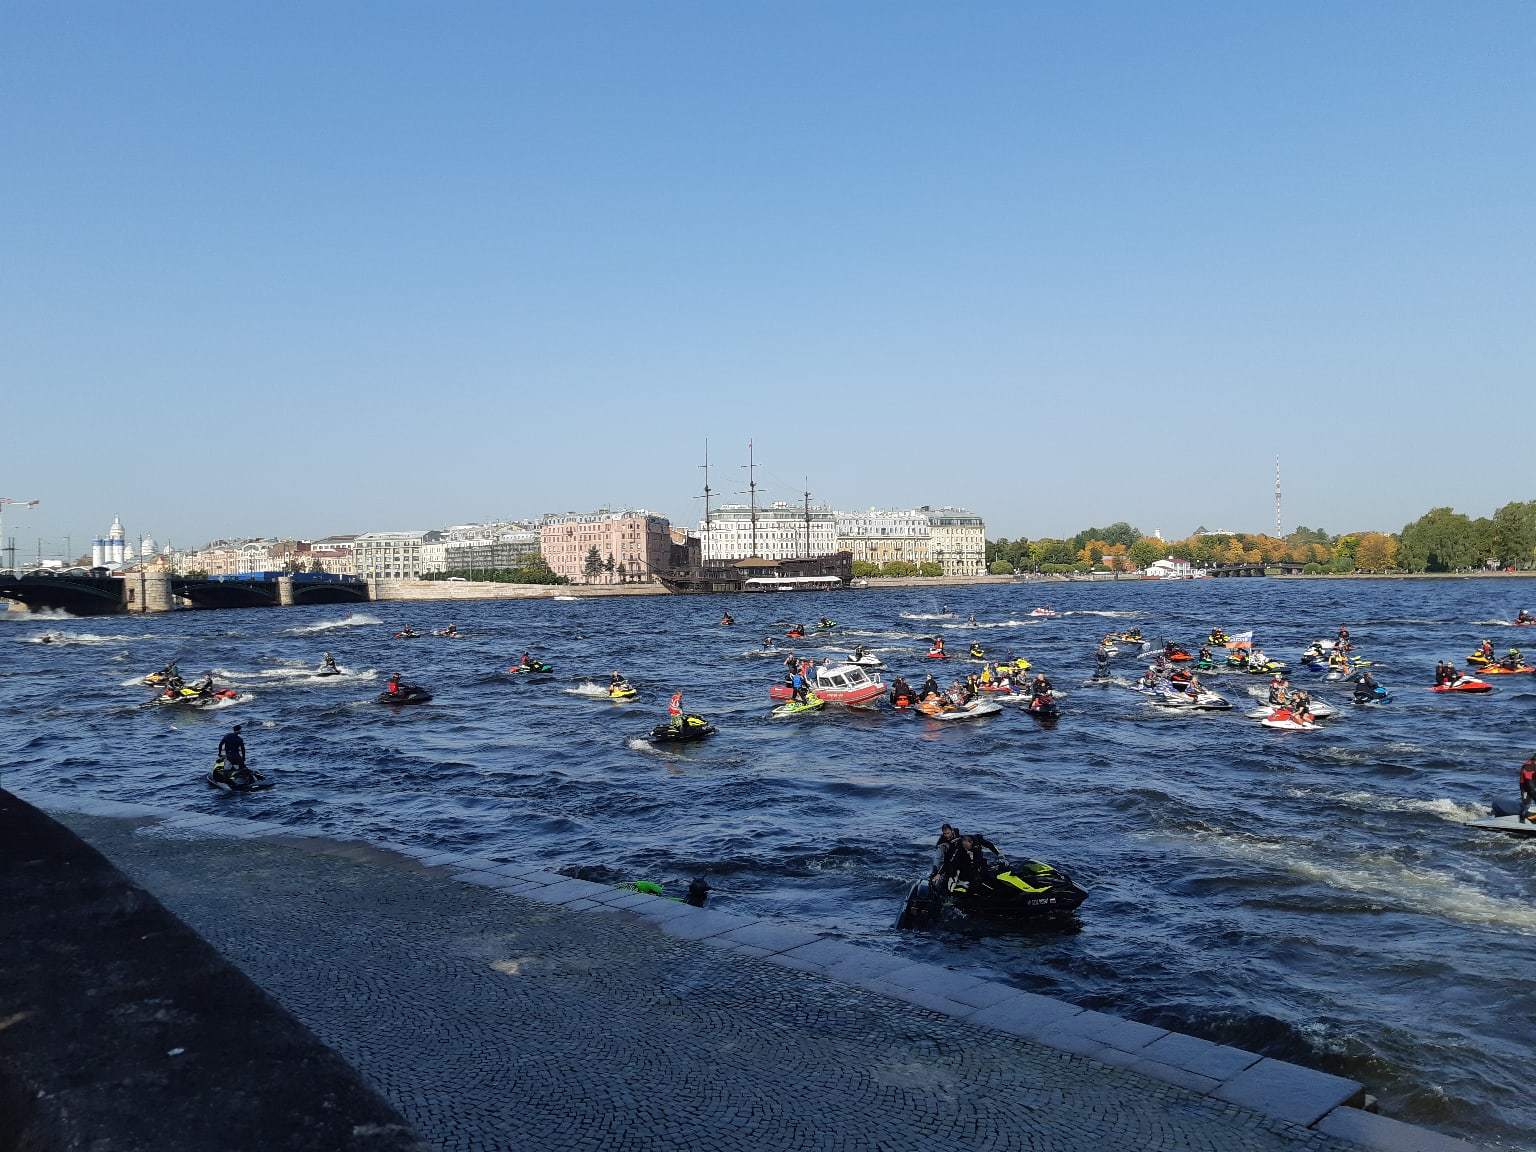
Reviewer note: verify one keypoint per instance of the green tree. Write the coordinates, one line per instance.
(592, 565)
(609, 566)
(1000, 568)
(898, 568)
(864, 569)
(1117, 533)
(930, 568)
(1441, 540)
(1147, 550)
(1514, 534)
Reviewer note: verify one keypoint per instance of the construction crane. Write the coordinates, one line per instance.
(6, 502)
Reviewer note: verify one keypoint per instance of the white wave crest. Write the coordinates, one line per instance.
(356, 620)
(1381, 877)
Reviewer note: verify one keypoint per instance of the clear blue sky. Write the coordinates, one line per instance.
(338, 267)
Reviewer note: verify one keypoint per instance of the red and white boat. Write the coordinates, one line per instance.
(847, 684)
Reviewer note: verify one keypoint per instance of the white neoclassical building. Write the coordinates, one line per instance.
(783, 532)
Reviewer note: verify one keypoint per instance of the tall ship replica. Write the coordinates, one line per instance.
(829, 571)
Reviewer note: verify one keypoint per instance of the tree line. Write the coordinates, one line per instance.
(1442, 540)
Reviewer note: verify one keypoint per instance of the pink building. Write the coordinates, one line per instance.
(638, 542)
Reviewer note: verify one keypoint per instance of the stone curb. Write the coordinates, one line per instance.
(1298, 1095)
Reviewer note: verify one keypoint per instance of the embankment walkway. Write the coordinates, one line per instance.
(500, 1007)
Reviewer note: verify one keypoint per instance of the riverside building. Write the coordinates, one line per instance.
(957, 540)
(390, 555)
(783, 532)
(639, 543)
(885, 536)
(489, 547)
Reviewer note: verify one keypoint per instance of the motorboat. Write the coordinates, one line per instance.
(847, 684)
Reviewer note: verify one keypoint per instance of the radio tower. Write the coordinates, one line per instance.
(1278, 532)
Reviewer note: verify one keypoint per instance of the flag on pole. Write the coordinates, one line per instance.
(1240, 640)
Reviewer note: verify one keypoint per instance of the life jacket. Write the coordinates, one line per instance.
(675, 705)
(394, 687)
(1528, 776)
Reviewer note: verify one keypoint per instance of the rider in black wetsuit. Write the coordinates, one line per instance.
(232, 749)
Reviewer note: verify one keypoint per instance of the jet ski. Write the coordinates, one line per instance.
(164, 676)
(867, 660)
(1010, 894)
(1217, 638)
(977, 652)
(1463, 684)
(937, 654)
(622, 692)
(447, 633)
(1284, 719)
(1176, 654)
(186, 696)
(1131, 637)
(330, 671)
(1045, 612)
(1267, 668)
(1501, 670)
(1184, 702)
(537, 668)
(811, 703)
(1379, 695)
(692, 728)
(406, 634)
(408, 694)
(1043, 707)
(826, 625)
(238, 780)
(941, 709)
(796, 634)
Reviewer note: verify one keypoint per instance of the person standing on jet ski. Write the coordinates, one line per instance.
(232, 750)
(675, 710)
(948, 835)
(799, 692)
(1528, 790)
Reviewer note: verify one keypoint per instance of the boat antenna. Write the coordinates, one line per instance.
(752, 493)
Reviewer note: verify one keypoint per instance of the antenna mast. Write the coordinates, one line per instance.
(1277, 497)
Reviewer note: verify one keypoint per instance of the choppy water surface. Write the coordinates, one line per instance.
(1316, 896)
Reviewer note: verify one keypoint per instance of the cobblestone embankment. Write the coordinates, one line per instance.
(499, 1006)
(122, 1031)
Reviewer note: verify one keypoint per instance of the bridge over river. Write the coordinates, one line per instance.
(95, 592)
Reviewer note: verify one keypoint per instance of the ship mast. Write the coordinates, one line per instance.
(807, 517)
(708, 492)
(752, 493)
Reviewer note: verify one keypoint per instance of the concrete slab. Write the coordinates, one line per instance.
(1215, 1061)
(932, 980)
(866, 966)
(439, 859)
(984, 994)
(1379, 1132)
(627, 899)
(825, 953)
(537, 876)
(1102, 1028)
(1024, 1014)
(703, 923)
(1170, 1074)
(567, 890)
(774, 936)
(658, 908)
(1289, 1091)
(483, 879)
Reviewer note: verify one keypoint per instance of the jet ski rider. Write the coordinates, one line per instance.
(798, 690)
(1512, 659)
(675, 710)
(328, 664)
(1278, 689)
(1485, 650)
(616, 682)
(1525, 618)
(1039, 686)
(232, 750)
(1365, 688)
(930, 688)
(1528, 790)
(394, 687)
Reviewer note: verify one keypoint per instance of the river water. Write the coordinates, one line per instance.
(1314, 896)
